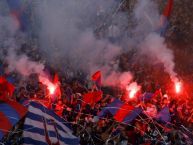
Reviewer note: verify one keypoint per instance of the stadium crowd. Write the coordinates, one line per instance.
(92, 129)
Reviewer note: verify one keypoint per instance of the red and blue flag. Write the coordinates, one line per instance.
(164, 20)
(18, 14)
(121, 112)
(10, 114)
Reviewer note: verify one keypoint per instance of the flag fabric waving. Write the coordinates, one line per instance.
(6, 88)
(43, 127)
(112, 108)
(17, 13)
(122, 112)
(10, 114)
(96, 77)
(168, 9)
(92, 97)
(164, 19)
(164, 115)
(132, 115)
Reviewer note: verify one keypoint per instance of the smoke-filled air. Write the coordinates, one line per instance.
(96, 72)
(68, 37)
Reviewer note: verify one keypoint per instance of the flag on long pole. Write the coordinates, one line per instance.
(164, 19)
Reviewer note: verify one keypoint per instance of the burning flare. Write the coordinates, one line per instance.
(178, 87)
(51, 87)
(132, 89)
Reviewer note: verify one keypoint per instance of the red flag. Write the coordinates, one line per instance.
(168, 8)
(6, 87)
(5, 124)
(123, 112)
(92, 97)
(56, 82)
(10, 88)
(96, 76)
(21, 110)
(9, 111)
(2, 80)
(56, 78)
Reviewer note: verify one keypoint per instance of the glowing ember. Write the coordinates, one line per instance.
(132, 89)
(178, 86)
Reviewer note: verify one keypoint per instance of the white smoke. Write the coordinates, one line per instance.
(65, 30)
(67, 36)
(146, 17)
(155, 48)
(11, 40)
(151, 44)
(118, 79)
(66, 33)
(23, 65)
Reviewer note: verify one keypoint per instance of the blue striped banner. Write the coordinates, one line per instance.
(42, 125)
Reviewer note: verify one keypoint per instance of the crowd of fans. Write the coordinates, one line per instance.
(95, 130)
(106, 130)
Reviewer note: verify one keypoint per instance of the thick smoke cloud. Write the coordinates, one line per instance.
(66, 33)
(67, 37)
